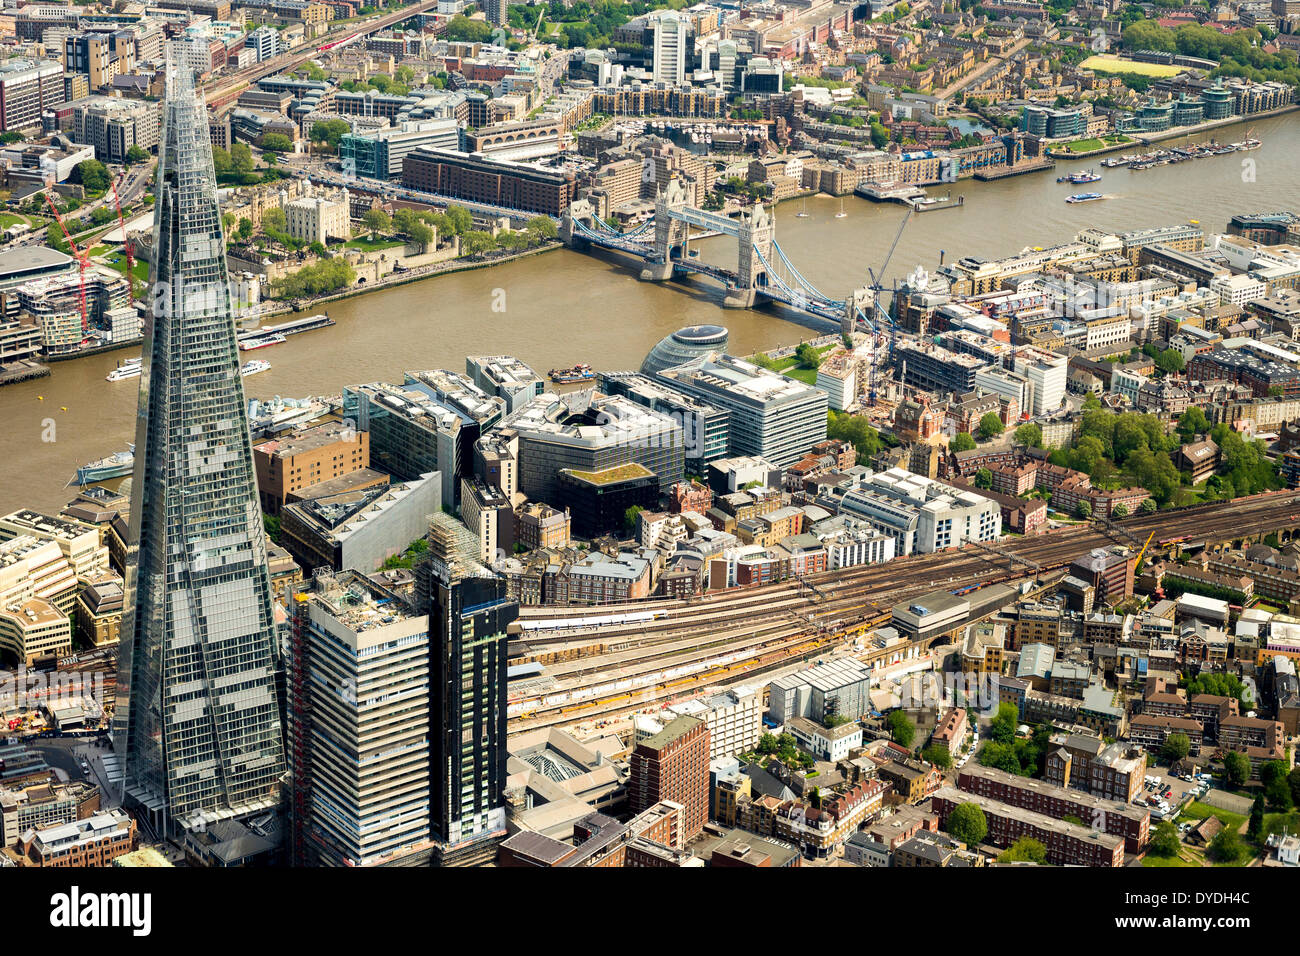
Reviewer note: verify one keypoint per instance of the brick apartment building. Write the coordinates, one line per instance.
(1118, 818)
(288, 465)
(674, 765)
(1067, 844)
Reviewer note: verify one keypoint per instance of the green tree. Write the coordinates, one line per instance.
(631, 518)
(1148, 506)
(938, 755)
(459, 220)
(1177, 746)
(962, 441)
(476, 243)
(329, 132)
(1029, 434)
(990, 426)
(377, 221)
(542, 228)
(241, 158)
(136, 155)
(1084, 508)
(1165, 842)
(855, 429)
(968, 824)
(274, 220)
(1226, 847)
(1236, 767)
(807, 355)
(1024, 850)
(983, 478)
(1003, 726)
(423, 235)
(245, 230)
(1255, 828)
(93, 175)
(901, 728)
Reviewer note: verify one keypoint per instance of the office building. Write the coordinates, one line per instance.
(1046, 373)
(468, 615)
(671, 50)
(380, 153)
(289, 467)
(586, 431)
(359, 529)
(429, 423)
(684, 345)
(598, 501)
(674, 765)
(503, 183)
(771, 416)
(113, 126)
(837, 688)
(359, 726)
(506, 377)
(96, 840)
(705, 429)
(27, 89)
(198, 594)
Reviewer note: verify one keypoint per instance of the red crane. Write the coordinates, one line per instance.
(128, 246)
(81, 255)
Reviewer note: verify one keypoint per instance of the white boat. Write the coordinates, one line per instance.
(803, 210)
(841, 214)
(253, 367)
(261, 342)
(130, 368)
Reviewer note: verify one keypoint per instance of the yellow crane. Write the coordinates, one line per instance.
(1138, 564)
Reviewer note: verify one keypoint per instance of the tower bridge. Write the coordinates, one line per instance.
(762, 272)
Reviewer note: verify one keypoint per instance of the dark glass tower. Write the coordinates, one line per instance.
(198, 722)
(468, 618)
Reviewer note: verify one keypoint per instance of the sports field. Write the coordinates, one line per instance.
(1109, 63)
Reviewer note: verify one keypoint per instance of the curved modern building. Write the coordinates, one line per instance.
(684, 345)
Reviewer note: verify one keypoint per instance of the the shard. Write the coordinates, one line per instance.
(198, 723)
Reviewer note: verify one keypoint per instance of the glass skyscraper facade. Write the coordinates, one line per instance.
(198, 723)
(468, 617)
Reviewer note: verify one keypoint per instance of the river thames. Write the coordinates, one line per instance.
(564, 307)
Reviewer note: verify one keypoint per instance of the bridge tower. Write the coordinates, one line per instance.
(579, 211)
(671, 232)
(754, 245)
(858, 302)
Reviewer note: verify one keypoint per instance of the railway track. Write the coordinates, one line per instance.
(748, 647)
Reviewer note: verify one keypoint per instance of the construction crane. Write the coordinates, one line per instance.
(881, 310)
(1138, 563)
(127, 245)
(83, 259)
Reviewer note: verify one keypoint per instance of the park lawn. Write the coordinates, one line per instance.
(8, 219)
(373, 245)
(141, 270)
(806, 375)
(1109, 63)
(1088, 145)
(1153, 861)
(1199, 811)
(1277, 822)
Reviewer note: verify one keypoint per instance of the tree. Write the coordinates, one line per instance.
(245, 229)
(323, 277)
(221, 162)
(962, 441)
(1165, 842)
(1255, 828)
(241, 158)
(855, 429)
(1176, 747)
(1119, 511)
(807, 355)
(459, 220)
(1024, 850)
(329, 132)
(1192, 423)
(274, 220)
(631, 518)
(377, 221)
(476, 243)
(542, 228)
(938, 755)
(1003, 726)
(968, 824)
(136, 155)
(1226, 847)
(1236, 767)
(1084, 508)
(990, 426)
(92, 174)
(983, 478)
(1029, 434)
(423, 235)
(1148, 506)
(901, 728)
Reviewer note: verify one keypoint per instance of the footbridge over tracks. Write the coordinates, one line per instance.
(763, 272)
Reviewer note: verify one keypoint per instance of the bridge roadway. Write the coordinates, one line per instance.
(736, 635)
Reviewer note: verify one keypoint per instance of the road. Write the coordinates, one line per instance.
(970, 78)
